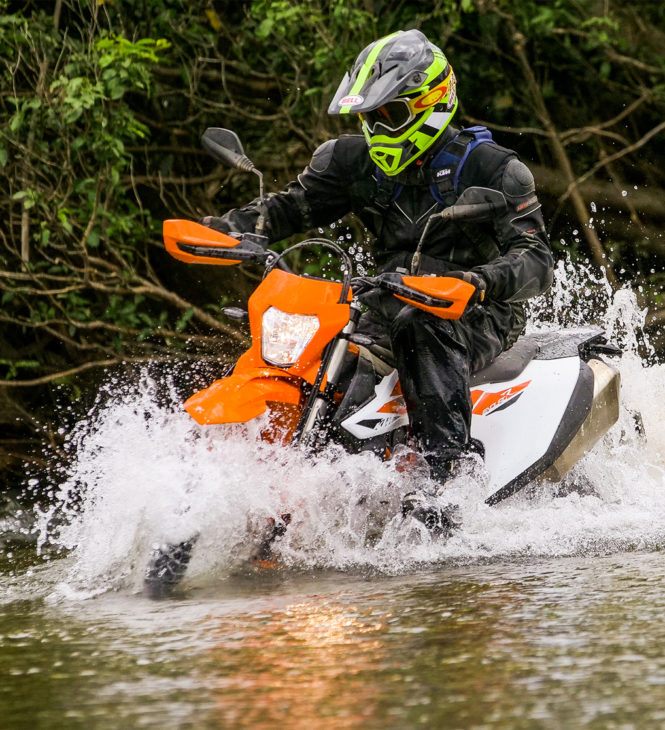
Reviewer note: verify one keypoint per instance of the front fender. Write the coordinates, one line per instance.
(241, 397)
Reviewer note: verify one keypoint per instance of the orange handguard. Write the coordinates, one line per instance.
(183, 231)
(446, 288)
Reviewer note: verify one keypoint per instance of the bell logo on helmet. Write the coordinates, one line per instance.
(352, 100)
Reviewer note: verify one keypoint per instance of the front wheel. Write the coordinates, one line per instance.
(167, 567)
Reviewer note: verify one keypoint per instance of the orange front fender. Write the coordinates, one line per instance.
(242, 397)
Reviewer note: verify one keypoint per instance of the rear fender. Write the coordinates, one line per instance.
(241, 397)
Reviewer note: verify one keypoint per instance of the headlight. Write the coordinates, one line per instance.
(285, 336)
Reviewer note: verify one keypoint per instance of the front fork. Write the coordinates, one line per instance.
(331, 368)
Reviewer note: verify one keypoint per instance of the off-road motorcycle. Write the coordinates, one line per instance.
(537, 409)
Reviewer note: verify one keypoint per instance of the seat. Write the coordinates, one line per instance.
(509, 364)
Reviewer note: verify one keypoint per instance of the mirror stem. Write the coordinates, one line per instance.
(261, 221)
(261, 188)
(415, 259)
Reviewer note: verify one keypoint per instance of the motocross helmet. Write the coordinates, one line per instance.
(403, 89)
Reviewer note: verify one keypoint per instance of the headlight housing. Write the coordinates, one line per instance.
(285, 336)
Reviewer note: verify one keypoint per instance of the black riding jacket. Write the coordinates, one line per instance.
(511, 252)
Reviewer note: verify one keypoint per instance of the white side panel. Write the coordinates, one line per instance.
(384, 413)
(517, 422)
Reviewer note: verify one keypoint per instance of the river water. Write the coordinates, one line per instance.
(545, 611)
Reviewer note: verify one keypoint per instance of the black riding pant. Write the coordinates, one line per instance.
(435, 358)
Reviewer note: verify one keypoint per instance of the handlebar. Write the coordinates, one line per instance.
(195, 243)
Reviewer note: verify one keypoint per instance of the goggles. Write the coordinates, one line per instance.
(391, 116)
(396, 114)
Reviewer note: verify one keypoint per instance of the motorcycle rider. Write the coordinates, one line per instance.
(411, 163)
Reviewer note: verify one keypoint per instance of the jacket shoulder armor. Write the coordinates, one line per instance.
(485, 161)
(322, 156)
(517, 179)
(351, 149)
(347, 152)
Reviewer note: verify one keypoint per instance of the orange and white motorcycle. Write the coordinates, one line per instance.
(319, 380)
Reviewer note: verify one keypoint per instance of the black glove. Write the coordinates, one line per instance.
(217, 224)
(476, 280)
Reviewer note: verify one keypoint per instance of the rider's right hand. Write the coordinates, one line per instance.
(471, 277)
(362, 284)
(372, 298)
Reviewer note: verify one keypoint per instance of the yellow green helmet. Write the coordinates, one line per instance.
(403, 89)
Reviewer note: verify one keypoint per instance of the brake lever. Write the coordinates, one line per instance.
(363, 284)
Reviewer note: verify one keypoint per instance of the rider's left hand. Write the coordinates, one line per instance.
(217, 224)
(476, 280)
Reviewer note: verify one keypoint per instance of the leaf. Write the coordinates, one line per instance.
(265, 26)
(16, 121)
(182, 322)
(106, 60)
(214, 20)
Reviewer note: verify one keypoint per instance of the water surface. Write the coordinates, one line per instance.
(568, 642)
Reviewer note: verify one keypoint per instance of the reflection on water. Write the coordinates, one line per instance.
(576, 642)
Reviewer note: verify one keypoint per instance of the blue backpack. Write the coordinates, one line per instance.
(444, 170)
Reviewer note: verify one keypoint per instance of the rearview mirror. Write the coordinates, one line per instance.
(225, 146)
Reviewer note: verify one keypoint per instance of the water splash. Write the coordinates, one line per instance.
(145, 473)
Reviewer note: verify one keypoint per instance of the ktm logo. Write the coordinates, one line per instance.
(485, 403)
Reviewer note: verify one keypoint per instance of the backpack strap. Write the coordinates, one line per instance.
(446, 168)
(387, 190)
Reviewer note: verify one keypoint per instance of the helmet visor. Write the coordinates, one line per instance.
(391, 116)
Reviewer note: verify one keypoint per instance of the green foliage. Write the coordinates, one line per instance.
(15, 366)
(68, 122)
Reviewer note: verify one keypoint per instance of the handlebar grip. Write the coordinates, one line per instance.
(476, 211)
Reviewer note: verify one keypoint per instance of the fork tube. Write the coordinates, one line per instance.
(318, 404)
(341, 346)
